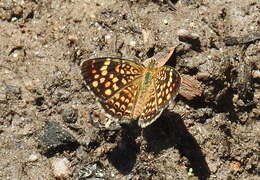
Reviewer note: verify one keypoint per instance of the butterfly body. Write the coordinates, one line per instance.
(130, 90)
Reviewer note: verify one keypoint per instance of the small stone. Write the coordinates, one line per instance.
(72, 38)
(60, 95)
(240, 103)
(132, 43)
(28, 84)
(14, 19)
(33, 157)
(203, 75)
(235, 98)
(15, 55)
(182, 32)
(185, 35)
(256, 74)
(190, 172)
(108, 36)
(236, 166)
(60, 167)
(165, 21)
(70, 115)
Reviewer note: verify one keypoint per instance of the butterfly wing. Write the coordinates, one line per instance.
(122, 103)
(114, 82)
(167, 83)
(165, 86)
(150, 111)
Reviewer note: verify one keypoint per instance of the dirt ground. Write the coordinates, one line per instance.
(48, 117)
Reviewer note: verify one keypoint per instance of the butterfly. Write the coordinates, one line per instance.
(129, 90)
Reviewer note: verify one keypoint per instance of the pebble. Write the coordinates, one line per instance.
(185, 34)
(33, 157)
(60, 167)
(72, 38)
(203, 75)
(256, 74)
(70, 115)
(132, 43)
(165, 21)
(108, 36)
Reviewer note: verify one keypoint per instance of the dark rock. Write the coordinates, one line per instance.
(56, 139)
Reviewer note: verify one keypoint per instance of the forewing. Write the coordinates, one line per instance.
(106, 76)
(115, 82)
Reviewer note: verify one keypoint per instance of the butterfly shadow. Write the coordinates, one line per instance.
(123, 156)
(168, 131)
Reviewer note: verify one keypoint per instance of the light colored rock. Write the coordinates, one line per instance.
(60, 167)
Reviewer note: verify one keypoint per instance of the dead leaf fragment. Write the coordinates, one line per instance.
(190, 87)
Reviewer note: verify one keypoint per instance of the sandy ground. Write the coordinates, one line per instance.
(48, 117)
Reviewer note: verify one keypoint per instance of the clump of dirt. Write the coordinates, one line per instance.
(212, 136)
